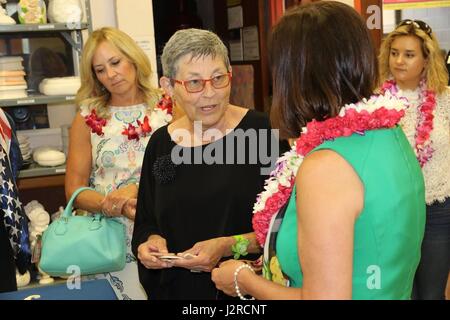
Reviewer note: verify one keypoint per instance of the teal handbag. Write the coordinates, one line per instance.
(94, 244)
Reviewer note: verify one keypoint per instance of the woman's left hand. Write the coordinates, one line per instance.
(204, 255)
(129, 209)
(223, 276)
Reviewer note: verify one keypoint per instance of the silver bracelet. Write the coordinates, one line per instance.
(236, 286)
(104, 213)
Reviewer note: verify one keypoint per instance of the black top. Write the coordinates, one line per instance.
(187, 203)
(7, 265)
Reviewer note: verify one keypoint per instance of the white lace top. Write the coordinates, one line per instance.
(116, 162)
(437, 170)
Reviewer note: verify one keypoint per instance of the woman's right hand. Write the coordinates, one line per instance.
(113, 203)
(148, 251)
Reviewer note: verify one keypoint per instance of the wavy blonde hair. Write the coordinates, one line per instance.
(436, 74)
(92, 93)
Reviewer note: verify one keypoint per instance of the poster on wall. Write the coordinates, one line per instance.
(231, 3)
(251, 43)
(235, 17)
(235, 41)
(242, 86)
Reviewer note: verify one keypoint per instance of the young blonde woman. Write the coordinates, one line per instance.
(412, 67)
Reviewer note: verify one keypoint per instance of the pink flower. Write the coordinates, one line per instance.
(131, 132)
(145, 126)
(165, 103)
(317, 132)
(425, 123)
(95, 123)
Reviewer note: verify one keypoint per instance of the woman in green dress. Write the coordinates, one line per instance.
(342, 216)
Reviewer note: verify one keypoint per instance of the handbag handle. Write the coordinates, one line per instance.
(68, 210)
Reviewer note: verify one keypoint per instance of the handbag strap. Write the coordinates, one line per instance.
(68, 210)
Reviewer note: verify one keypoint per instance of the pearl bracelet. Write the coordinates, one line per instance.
(236, 286)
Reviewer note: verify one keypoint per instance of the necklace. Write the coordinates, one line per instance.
(162, 114)
(423, 145)
(383, 111)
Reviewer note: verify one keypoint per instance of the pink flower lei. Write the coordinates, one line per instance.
(383, 111)
(422, 142)
(142, 129)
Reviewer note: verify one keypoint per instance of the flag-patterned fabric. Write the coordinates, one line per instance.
(13, 214)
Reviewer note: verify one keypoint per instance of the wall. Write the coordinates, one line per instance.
(103, 13)
(437, 18)
(137, 21)
(388, 21)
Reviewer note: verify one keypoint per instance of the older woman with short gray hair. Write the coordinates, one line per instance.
(195, 201)
(195, 42)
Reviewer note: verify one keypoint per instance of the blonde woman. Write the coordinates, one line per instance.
(412, 67)
(119, 109)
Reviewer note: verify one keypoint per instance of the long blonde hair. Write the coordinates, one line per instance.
(436, 74)
(92, 93)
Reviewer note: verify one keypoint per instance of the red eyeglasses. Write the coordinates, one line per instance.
(197, 85)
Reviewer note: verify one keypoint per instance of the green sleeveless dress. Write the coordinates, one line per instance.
(389, 231)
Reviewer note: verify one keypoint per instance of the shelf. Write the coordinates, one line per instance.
(35, 99)
(15, 28)
(36, 170)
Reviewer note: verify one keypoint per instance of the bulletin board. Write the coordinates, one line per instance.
(242, 86)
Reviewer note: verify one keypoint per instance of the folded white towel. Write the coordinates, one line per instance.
(8, 59)
(9, 82)
(11, 78)
(11, 66)
(14, 94)
(11, 88)
(23, 138)
(11, 73)
(58, 86)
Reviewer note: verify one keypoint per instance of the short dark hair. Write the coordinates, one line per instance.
(322, 57)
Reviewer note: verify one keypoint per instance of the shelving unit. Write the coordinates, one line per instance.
(36, 170)
(59, 27)
(72, 34)
(35, 99)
